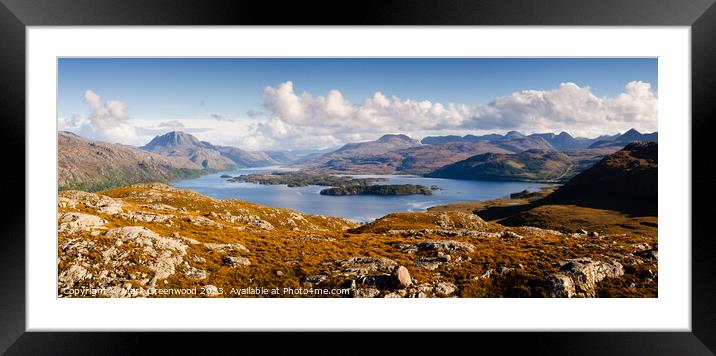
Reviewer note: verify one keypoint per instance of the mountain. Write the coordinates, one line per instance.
(398, 154)
(514, 135)
(93, 165)
(361, 152)
(427, 158)
(625, 181)
(625, 139)
(433, 140)
(512, 141)
(384, 144)
(244, 158)
(282, 157)
(516, 141)
(180, 144)
(531, 165)
(564, 141)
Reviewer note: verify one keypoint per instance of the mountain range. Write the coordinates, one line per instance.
(401, 154)
(514, 156)
(559, 142)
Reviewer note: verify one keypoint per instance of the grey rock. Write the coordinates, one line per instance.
(579, 277)
(316, 278)
(445, 289)
(430, 264)
(233, 261)
(446, 245)
(365, 293)
(363, 265)
(507, 234)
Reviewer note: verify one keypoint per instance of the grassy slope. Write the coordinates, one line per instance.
(309, 248)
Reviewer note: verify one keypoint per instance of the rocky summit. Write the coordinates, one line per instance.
(153, 240)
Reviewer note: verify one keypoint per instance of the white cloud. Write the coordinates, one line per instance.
(302, 119)
(106, 121)
(292, 120)
(174, 124)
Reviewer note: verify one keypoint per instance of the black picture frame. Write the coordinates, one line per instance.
(700, 15)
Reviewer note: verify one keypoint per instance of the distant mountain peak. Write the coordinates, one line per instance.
(514, 134)
(173, 139)
(389, 137)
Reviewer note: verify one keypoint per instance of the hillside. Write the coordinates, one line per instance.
(93, 165)
(152, 240)
(397, 154)
(531, 165)
(625, 181)
(244, 158)
(362, 153)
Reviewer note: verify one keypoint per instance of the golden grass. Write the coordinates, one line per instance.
(312, 245)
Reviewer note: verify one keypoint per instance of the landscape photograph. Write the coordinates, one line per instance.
(357, 178)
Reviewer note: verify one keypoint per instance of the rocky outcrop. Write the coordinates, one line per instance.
(72, 223)
(226, 247)
(446, 246)
(234, 261)
(187, 240)
(102, 203)
(363, 265)
(128, 257)
(579, 277)
(147, 216)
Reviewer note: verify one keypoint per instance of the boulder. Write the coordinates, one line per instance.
(363, 265)
(71, 223)
(507, 234)
(402, 277)
(579, 277)
(233, 261)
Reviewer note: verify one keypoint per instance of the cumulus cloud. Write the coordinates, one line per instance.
(105, 120)
(303, 119)
(297, 120)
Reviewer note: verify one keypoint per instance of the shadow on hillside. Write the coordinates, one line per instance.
(510, 213)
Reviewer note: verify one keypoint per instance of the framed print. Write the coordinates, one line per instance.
(450, 167)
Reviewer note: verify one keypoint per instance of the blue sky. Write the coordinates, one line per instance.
(164, 89)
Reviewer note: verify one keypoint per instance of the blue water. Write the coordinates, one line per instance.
(359, 208)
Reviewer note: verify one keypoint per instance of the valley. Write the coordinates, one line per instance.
(131, 241)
